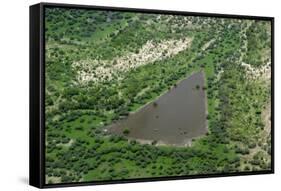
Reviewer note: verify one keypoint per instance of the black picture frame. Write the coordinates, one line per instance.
(37, 94)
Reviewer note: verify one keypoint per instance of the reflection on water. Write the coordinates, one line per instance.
(174, 118)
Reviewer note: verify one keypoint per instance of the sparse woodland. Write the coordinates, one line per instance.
(101, 65)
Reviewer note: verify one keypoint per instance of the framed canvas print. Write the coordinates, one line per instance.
(126, 95)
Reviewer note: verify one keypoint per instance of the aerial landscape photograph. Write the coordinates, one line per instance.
(131, 95)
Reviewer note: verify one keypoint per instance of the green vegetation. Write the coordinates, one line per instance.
(78, 147)
(126, 131)
(259, 43)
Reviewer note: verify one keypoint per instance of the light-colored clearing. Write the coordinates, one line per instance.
(102, 70)
(207, 44)
(263, 72)
(266, 117)
(53, 179)
(66, 144)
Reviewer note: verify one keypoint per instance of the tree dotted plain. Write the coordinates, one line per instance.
(78, 149)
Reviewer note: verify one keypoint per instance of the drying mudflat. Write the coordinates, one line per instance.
(175, 118)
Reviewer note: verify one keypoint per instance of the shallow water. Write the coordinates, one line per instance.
(175, 118)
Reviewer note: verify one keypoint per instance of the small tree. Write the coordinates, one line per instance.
(126, 131)
(154, 142)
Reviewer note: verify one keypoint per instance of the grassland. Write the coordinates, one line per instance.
(129, 59)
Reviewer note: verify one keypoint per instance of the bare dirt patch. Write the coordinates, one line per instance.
(255, 73)
(53, 179)
(101, 70)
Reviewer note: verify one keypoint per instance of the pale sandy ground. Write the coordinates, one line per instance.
(263, 72)
(100, 70)
(255, 73)
(187, 143)
(266, 116)
(53, 179)
(205, 46)
(66, 144)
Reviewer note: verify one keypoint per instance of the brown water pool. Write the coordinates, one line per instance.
(175, 118)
